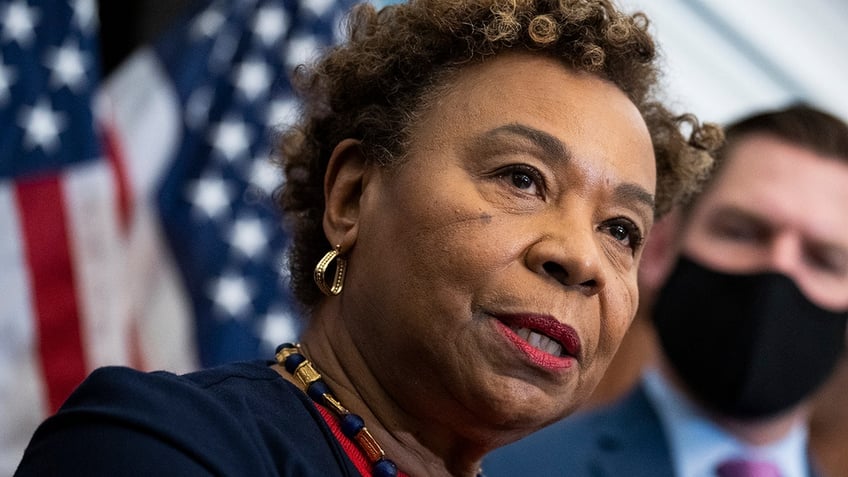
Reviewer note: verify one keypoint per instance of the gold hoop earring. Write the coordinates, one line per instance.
(321, 269)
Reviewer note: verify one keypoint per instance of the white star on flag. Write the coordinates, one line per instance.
(19, 22)
(211, 196)
(300, 50)
(282, 112)
(208, 24)
(265, 175)
(270, 23)
(85, 15)
(42, 126)
(69, 65)
(319, 7)
(231, 138)
(248, 236)
(252, 78)
(231, 295)
(278, 327)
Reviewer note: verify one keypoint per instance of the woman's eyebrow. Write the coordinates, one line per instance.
(549, 144)
(632, 191)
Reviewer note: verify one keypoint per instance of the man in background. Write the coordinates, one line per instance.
(747, 290)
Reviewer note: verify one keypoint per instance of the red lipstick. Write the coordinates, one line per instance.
(547, 326)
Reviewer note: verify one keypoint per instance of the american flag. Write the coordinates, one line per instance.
(135, 220)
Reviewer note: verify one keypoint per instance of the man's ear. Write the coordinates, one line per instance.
(343, 184)
(659, 255)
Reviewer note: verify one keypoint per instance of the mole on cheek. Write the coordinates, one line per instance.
(485, 218)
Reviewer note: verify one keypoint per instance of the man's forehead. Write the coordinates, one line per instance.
(783, 182)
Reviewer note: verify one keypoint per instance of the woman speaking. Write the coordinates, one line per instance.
(469, 188)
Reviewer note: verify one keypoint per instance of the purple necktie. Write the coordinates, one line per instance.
(747, 468)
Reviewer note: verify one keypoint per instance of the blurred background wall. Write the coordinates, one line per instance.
(724, 57)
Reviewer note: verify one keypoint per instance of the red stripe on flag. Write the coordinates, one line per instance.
(115, 156)
(47, 249)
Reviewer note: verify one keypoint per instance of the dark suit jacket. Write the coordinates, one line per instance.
(624, 439)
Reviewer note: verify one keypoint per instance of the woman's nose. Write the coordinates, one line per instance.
(570, 257)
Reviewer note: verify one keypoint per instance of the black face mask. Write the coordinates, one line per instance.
(747, 346)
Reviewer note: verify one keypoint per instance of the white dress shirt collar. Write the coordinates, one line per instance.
(697, 445)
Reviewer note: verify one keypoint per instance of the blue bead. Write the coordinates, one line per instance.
(351, 425)
(317, 390)
(283, 346)
(293, 361)
(384, 468)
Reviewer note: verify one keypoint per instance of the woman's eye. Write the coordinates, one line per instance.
(524, 178)
(626, 232)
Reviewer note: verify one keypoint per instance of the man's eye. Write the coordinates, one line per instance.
(741, 232)
(829, 261)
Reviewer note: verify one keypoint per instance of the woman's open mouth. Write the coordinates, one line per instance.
(547, 342)
(539, 341)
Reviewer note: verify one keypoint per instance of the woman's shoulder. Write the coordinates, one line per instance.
(215, 395)
(121, 385)
(237, 419)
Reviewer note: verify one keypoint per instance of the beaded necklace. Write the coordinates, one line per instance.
(288, 356)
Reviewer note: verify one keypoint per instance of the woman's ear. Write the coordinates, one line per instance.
(343, 184)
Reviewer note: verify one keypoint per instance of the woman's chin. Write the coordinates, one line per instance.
(528, 411)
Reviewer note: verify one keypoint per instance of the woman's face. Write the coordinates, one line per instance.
(494, 272)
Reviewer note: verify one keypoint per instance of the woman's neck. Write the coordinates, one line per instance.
(418, 445)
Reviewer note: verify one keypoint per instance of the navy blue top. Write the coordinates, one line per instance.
(238, 419)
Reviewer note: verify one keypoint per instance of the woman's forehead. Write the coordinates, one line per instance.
(586, 115)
